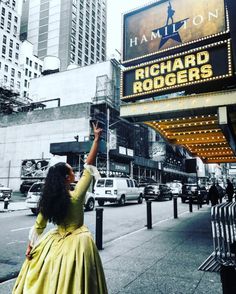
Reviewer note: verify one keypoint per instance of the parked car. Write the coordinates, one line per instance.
(5, 192)
(26, 184)
(117, 190)
(158, 192)
(195, 192)
(36, 189)
(175, 187)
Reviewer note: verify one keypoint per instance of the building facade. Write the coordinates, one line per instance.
(31, 67)
(10, 71)
(72, 30)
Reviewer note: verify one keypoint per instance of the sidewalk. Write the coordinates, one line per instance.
(163, 260)
(12, 206)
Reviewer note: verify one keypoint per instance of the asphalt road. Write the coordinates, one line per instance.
(117, 222)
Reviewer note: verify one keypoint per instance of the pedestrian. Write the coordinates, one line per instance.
(213, 195)
(65, 260)
(220, 191)
(230, 190)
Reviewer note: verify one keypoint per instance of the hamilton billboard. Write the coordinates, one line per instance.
(167, 25)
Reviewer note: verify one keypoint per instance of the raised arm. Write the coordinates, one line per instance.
(94, 149)
(84, 182)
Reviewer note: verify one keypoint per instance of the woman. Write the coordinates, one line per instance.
(65, 260)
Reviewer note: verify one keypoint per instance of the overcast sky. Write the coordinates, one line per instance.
(115, 8)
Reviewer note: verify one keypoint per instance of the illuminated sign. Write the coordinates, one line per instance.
(204, 64)
(165, 25)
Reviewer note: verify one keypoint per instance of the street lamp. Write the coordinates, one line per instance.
(108, 140)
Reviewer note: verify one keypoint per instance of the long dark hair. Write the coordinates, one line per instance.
(55, 199)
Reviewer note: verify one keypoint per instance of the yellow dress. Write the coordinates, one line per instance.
(65, 260)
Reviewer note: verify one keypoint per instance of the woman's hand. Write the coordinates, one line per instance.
(97, 131)
(28, 252)
(94, 149)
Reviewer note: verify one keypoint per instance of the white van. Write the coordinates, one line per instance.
(117, 190)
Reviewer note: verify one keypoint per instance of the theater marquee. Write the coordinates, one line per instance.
(166, 25)
(204, 64)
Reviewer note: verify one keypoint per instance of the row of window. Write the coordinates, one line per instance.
(29, 73)
(9, 26)
(86, 59)
(10, 52)
(4, 41)
(12, 82)
(36, 65)
(13, 71)
(9, 15)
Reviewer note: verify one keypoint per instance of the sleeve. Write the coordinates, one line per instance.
(36, 231)
(84, 182)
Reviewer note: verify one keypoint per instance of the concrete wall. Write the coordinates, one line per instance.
(72, 86)
(28, 136)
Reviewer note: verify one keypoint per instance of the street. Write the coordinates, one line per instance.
(117, 222)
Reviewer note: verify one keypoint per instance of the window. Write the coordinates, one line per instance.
(40, 68)
(10, 53)
(12, 72)
(5, 79)
(3, 49)
(26, 71)
(25, 94)
(12, 83)
(9, 25)
(16, 19)
(35, 75)
(30, 73)
(9, 15)
(72, 57)
(25, 83)
(4, 39)
(17, 46)
(6, 68)
(27, 60)
(18, 84)
(15, 30)
(30, 62)
(2, 21)
(19, 74)
(0, 65)
(17, 55)
(3, 11)
(36, 65)
(11, 43)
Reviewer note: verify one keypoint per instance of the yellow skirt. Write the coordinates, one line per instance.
(66, 263)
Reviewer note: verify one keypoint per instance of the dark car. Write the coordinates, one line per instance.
(157, 192)
(26, 184)
(195, 192)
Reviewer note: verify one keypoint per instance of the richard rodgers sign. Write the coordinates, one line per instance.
(199, 65)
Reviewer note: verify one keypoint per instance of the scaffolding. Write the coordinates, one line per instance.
(107, 90)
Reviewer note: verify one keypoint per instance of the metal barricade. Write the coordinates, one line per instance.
(223, 222)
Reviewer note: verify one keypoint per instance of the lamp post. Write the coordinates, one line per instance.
(108, 140)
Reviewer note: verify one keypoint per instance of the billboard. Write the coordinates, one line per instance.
(165, 25)
(157, 151)
(176, 72)
(34, 168)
